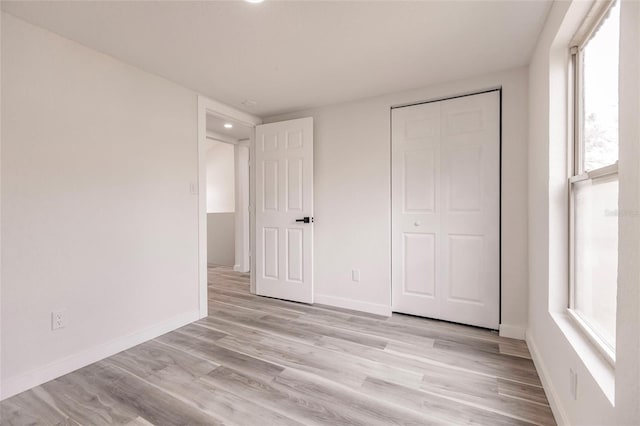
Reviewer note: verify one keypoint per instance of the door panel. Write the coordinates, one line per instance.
(416, 205)
(284, 194)
(271, 253)
(466, 256)
(446, 209)
(419, 264)
(295, 185)
(270, 185)
(419, 181)
(464, 165)
(295, 256)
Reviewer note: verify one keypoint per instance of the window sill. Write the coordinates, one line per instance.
(595, 340)
(598, 366)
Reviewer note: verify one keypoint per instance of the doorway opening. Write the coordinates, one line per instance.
(273, 200)
(225, 137)
(227, 170)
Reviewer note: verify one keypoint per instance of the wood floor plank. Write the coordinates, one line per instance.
(264, 393)
(233, 409)
(253, 305)
(449, 327)
(345, 368)
(149, 357)
(463, 385)
(220, 404)
(263, 361)
(152, 404)
(343, 322)
(514, 349)
(322, 331)
(294, 328)
(86, 403)
(30, 408)
(364, 409)
(209, 350)
(483, 391)
(426, 332)
(292, 355)
(138, 421)
(257, 322)
(446, 410)
(522, 391)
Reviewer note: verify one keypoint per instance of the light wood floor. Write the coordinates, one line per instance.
(258, 361)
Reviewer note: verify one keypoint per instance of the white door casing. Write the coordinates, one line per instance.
(446, 209)
(284, 194)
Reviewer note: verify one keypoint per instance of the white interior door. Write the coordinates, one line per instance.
(446, 209)
(284, 197)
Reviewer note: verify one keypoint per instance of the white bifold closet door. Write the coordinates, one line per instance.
(446, 209)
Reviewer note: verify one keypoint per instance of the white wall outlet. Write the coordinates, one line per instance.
(58, 319)
(573, 384)
(193, 188)
(355, 275)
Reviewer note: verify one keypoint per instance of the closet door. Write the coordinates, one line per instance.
(446, 209)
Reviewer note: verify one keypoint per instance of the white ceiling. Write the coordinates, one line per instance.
(288, 55)
(237, 132)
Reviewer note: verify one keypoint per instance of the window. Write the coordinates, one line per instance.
(594, 180)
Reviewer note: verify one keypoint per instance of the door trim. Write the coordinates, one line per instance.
(447, 98)
(206, 105)
(440, 99)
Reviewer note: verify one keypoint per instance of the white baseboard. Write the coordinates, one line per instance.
(22, 382)
(237, 268)
(552, 395)
(356, 305)
(512, 331)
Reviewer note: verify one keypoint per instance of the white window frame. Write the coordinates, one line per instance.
(576, 167)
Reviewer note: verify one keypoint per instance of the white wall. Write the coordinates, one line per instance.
(1, 362)
(221, 235)
(556, 344)
(221, 204)
(353, 196)
(97, 214)
(628, 320)
(220, 178)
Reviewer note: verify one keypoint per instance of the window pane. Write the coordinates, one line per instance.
(600, 94)
(596, 254)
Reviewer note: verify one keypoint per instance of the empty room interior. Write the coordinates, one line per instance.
(267, 212)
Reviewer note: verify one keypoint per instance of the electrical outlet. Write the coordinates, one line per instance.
(573, 384)
(355, 275)
(58, 319)
(193, 188)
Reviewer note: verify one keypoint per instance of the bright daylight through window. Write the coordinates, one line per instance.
(594, 182)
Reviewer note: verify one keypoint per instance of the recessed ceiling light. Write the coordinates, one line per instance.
(254, 1)
(228, 125)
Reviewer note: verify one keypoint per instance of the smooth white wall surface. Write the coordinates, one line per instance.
(221, 235)
(0, 195)
(628, 320)
(97, 213)
(353, 195)
(220, 178)
(556, 344)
